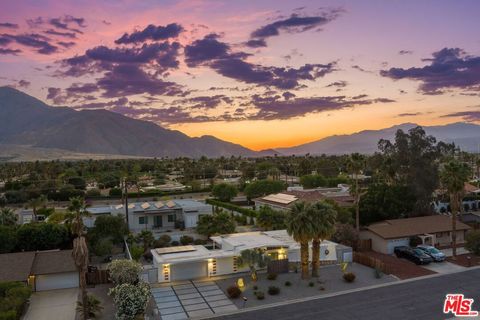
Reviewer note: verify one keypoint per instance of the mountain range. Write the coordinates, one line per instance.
(30, 124)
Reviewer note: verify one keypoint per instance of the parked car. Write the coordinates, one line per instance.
(413, 254)
(437, 255)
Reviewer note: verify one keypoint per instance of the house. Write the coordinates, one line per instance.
(433, 230)
(154, 215)
(469, 202)
(43, 270)
(283, 200)
(26, 216)
(196, 261)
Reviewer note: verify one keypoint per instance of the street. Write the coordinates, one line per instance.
(421, 299)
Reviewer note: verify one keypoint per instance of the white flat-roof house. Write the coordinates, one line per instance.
(155, 215)
(193, 262)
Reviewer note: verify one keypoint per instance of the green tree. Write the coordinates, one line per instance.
(35, 204)
(453, 176)
(94, 307)
(300, 227)
(323, 217)
(42, 236)
(262, 188)
(7, 217)
(270, 219)
(313, 181)
(130, 300)
(113, 227)
(217, 223)
(146, 237)
(224, 192)
(472, 241)
(8, 239)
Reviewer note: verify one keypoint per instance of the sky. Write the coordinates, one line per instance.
(263, 74)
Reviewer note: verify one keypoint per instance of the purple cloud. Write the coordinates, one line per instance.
(470, 116)
(71, 35)
(294, 24)
(66, 23)
(256, 43)
(9, 51)
(33, 40)
(151, 32)
(8, 25)
(449, 68)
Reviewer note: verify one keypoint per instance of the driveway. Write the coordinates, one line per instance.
(444, 267)
(191, 299)
(53, 305)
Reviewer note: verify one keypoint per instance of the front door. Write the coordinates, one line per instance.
(158, 221)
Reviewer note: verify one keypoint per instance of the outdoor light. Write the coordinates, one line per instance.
(240, 283)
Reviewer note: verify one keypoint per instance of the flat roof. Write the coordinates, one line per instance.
(247, 240)
(199, 253)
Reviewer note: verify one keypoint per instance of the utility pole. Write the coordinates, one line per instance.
(125, 196)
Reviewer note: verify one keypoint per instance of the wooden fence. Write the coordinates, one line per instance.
(97, 276)
(277, 266)
(369, 261)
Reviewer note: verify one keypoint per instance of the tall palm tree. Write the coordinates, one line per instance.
(453, 177)
(323, 217)
(35, 204)
(78, 209)
(300, 227)
(7, 217)
(355, 165)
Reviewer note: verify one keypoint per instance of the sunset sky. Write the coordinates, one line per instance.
(264, 74)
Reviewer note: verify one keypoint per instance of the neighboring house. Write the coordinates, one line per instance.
(155, 215)
(193, 262)
(469, 202)
(43, 270)
(433, 230)
(283, 200)
(26, 216)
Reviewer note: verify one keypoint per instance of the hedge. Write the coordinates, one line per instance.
(244, 211)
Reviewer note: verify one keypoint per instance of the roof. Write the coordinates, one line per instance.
(152, 206)
(247, 240)
(54, 261)
(284, 199)
(400, 228)
(197, 254)
(470, 188)
(16, 266)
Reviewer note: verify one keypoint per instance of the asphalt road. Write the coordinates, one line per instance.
(420, 299)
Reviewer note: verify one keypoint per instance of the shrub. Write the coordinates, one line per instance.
(234, 292)
(311, 284)
(415, 241)
(130, 300)
(94, 307)
(165, 238)
(378, 273)
(13, 299)
(115, 192)
(199, 242)
(272, 276)
(124, 271)
(349, 276)
(148, 256)
(255, 287)
(175, 243)
(103, 247)
(472, 241)
(288, 283)
(273, 290)
(184, 240)
(260, 295)
(136, 252)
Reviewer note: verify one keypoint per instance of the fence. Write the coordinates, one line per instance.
(369, 261)
(97, 276)
(277, 266)
(364, 244)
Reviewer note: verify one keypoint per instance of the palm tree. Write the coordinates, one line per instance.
(78, 209)
(7, 217)
(323, 217)
(453, 178)
(35, 204)
(355, 165)
(300, 227)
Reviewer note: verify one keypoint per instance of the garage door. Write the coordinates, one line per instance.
(187, 271)
(56, 281)
(396, 243)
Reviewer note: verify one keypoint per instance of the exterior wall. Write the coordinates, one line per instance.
(378, 243)
(135, 225)
(259, 204)
(224, 266)
(445, 238)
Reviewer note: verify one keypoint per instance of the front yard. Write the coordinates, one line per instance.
(330, 281)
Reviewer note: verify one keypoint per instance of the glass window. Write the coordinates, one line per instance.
(171, 218)
(142, 220)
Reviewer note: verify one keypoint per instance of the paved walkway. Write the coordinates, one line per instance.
(443, 267)
(191, 299)
(52, 305)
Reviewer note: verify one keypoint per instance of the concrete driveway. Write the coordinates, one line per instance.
(53, 305)
(444, 267)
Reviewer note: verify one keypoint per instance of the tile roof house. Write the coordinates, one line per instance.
(433, 230)
(44, 270)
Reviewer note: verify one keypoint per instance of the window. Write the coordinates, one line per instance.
(142, 220)
(158, 221)
(171, 218)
